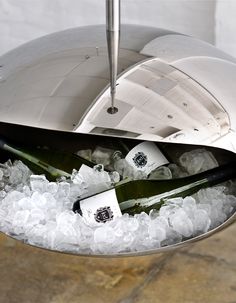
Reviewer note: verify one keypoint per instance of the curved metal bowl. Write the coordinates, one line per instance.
(171, 88)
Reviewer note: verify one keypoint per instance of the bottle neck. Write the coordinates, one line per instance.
(53, 171)
(221, 174)
(52, 163)
(165, 189)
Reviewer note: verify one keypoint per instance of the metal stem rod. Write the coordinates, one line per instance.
(113, 41)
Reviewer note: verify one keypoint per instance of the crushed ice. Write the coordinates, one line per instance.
(38, 212)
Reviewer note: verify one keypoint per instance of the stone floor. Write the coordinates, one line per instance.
(202, 273)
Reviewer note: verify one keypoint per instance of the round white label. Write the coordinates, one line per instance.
(101, 208)
(146, 157)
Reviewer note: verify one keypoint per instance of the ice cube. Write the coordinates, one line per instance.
(102, 155)
(77, 191)
(38, 200)
(49, 237)
(63, 190)
(177, 171)
(198, 160)
(216, 199)
(25, 203)
(15, 175)
(96, 181)
(138, 175)
(67, 233)
(101, 174)
(144, 244)
(142, 218)
(201, 221)
(20, 218)
(127, 171)
(36, 216)
(35, 235)
(181, 223)
(51, 202)
(227, 209)
(132, 224)
(26, 190)
(2, 194)
(128, 239)
(18, 173)
(157, 230)
(66, 240)
(123, 168)
(172, 237)
(6, 168)
(118, 227)
(87, 175)
(13, 197)
(153, 214)
(189, 206)
(127, 233)
(209, 195)
(85, 153)
(77, 177)
(52, 187)
(170, 207)
(38, 183)
(51, 213)
(114, 176)
(161, 172)
(65, 218)
(104, 234)
(204, 206)
(231, 200)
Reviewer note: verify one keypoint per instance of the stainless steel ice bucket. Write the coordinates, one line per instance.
(170, 88)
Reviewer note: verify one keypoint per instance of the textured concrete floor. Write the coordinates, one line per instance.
(201, 273)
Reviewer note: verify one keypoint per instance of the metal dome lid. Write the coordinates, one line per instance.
(61, 82)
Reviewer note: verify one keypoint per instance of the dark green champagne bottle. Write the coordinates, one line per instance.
(53, 164)
(106, 205)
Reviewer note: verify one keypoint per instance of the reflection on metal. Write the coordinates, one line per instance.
(170, 88)
(164, 101)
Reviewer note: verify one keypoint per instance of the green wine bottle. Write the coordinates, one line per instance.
(108, 204)
(53, 164)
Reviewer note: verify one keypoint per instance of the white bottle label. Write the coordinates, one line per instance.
(146, 157)
(101, 208)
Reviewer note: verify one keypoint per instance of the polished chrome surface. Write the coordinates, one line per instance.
(170, 88)
(113, 41)
(52, 82)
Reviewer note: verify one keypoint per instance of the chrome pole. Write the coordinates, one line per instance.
(113, 40)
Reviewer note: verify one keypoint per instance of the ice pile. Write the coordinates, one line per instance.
(38, 212)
